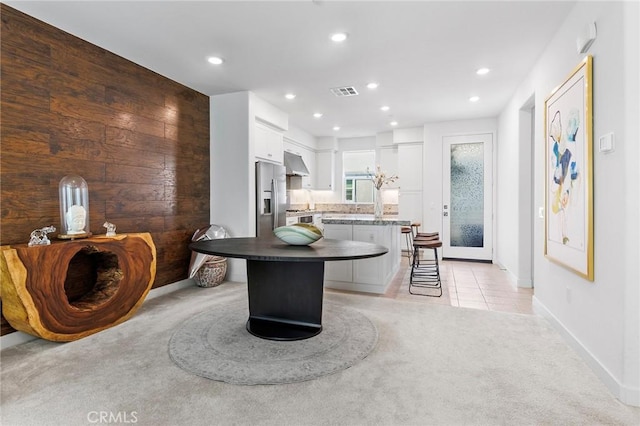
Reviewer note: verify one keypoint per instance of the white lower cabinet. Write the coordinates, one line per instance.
(340, 270)
(367, 275)
(370, 271)
(317, 221)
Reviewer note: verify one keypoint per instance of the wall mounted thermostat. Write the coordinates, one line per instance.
(605, 143)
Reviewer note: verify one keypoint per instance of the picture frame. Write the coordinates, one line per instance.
(569, 172)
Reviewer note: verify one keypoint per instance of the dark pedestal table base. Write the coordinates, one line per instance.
(285, 299)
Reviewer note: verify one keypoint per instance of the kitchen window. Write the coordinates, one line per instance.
(357, 184)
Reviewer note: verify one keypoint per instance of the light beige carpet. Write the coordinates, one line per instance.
(433, 364)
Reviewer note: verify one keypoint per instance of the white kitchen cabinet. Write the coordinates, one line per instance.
(325, 170)
(410, 205)
(291, 220)
(309, 158)
(367, 275)
(369, 271)
(317, 221)
(341, 270)
(268, 143)
(410, 166)
(388, 161)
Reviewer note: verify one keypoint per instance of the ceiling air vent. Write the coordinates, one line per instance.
(344, 91)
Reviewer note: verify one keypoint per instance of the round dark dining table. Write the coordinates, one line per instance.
(285, 282)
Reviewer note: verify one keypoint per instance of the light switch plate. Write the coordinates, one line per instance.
(605, 143)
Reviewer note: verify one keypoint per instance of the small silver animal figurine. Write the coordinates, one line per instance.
(111, 229)
(39, 236)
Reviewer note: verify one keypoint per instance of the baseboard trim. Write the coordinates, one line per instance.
(18, 337)
(515, 280)
(626, 394)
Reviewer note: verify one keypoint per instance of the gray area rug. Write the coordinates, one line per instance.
(216, 345)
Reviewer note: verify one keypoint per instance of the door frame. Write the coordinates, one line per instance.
(470, 253)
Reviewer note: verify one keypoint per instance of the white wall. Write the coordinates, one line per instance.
(631, 356)
(514, 208)
(230, 153)
(599, 318)
(432, 171)
(231, 175)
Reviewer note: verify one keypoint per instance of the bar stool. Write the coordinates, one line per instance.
(424, 236)
(426, 273)
(406, 231)
(415, 231)
(415, 228)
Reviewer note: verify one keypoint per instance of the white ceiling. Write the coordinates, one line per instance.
(424, 54)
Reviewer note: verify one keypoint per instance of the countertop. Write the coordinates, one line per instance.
(362, 219)
(302, 213)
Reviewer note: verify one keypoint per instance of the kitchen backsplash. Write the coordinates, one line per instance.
(389, 209)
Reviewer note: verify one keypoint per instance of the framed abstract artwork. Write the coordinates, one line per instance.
(569, 172)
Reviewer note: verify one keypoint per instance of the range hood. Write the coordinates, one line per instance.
(295, 165)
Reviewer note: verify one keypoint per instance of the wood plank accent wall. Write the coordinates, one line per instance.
(140, 140)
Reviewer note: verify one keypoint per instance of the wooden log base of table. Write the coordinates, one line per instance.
(69, 290)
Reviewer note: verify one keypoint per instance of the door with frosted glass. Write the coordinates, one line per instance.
(467, 207)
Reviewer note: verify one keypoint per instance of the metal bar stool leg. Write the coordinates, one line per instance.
(406, 231)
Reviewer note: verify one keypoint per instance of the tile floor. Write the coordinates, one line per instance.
(468, 284)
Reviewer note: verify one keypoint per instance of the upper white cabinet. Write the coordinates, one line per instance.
(309, 158)
(410, 159)
(388, 161)
(268, 143)
(325, 170)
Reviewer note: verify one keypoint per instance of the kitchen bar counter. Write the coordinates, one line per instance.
(363, 219)
(366, 275)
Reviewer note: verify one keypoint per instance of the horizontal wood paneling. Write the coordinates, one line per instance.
(140, 140)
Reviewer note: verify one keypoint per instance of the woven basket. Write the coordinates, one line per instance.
(212, 272)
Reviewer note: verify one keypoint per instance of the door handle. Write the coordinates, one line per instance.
(445, 214)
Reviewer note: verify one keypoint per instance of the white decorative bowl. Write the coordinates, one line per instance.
(298, 234)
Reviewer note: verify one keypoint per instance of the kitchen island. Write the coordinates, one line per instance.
(366, 275)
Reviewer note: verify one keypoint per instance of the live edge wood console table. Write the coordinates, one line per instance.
(285, 283)
(71, 289)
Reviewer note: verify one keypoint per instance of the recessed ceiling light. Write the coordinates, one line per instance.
(215, 60)
(372, 85)
(336, 128)
(474, 99)
(290, 96)
(384, 108)
(317, 114)
(482, 71)
(338, 37)
(394, 123)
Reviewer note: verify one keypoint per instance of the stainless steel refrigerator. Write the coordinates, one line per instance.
(271, 198)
